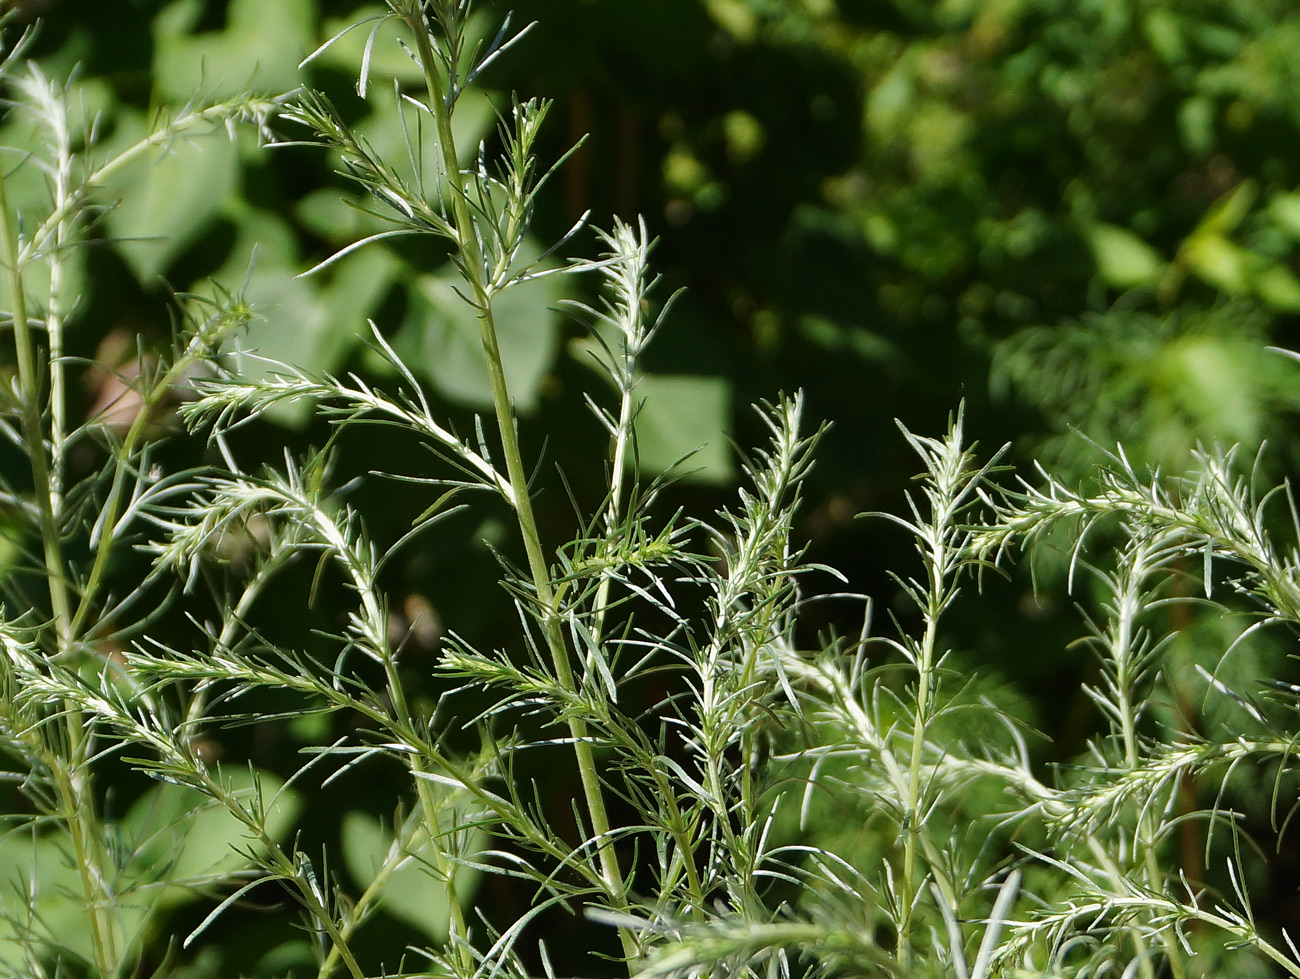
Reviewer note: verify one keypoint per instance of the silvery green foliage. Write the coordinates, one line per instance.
(78, 886)
(982, 865)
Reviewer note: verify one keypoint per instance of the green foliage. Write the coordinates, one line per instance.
(239, 739)
(1158, 385)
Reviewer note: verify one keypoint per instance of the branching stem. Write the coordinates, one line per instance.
(77, 801)
(472, 261)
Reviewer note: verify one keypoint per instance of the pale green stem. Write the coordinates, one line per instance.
(356, 913)
(717, 783)
(504, 409)
(614, 511)
(54, 225)
(1128, 604)
(111, 510)
(682, 836)
(373, 613)
(675, 824)
(285, 869)
(54, 313)
(235, 620)
(77, 799)
(937, 569)
(214, 114)
(29, 384)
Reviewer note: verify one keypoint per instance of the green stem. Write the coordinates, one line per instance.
(78, 808)
(684, 838)
(361, 574)
(79, 815)
(614, 511)
(31, 420)
(214, 114)
(283, 867)
(551, 625)
(357, 912)
(937, 561)
(429, 810)
(54, 313)
(1128, 604)
(111, 510)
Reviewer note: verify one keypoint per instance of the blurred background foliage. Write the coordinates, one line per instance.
(1080, 216)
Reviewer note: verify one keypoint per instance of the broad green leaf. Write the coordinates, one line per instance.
(210, 846)
(388, 60)
(39, 872)
(413, 893)
(31, 206)
(1227, 213)
(1124, 260)
(1220, 262)
(180, 834)
(289, 316)
(325, 213)
(357, 287)
(681, 415)
(451, 346)
(1278, 287)
(313, 322)
(1284, 209)
(258, 51)
(171, 834)
(388, 133)
(27, 138)
(169, 197)
(156, 826)
(293, 957)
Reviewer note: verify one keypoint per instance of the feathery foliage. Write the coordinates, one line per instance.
(658, 654)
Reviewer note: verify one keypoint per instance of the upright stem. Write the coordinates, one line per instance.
(31, 420)
(943, 545)
(537, 564)
(54, 313)
(1128, 605)
(937, 561)
(614, 511)
(77, 800)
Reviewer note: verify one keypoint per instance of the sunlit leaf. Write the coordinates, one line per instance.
(1278, 287)
(170, 197)
(180, 834)
(1227, 213)
(1124, 260)
(414, 892)
(39, 872)
(682, 415)
(312, 323)
(259, 50)
(1219, 262)
(1285, 210)
(451, 346)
